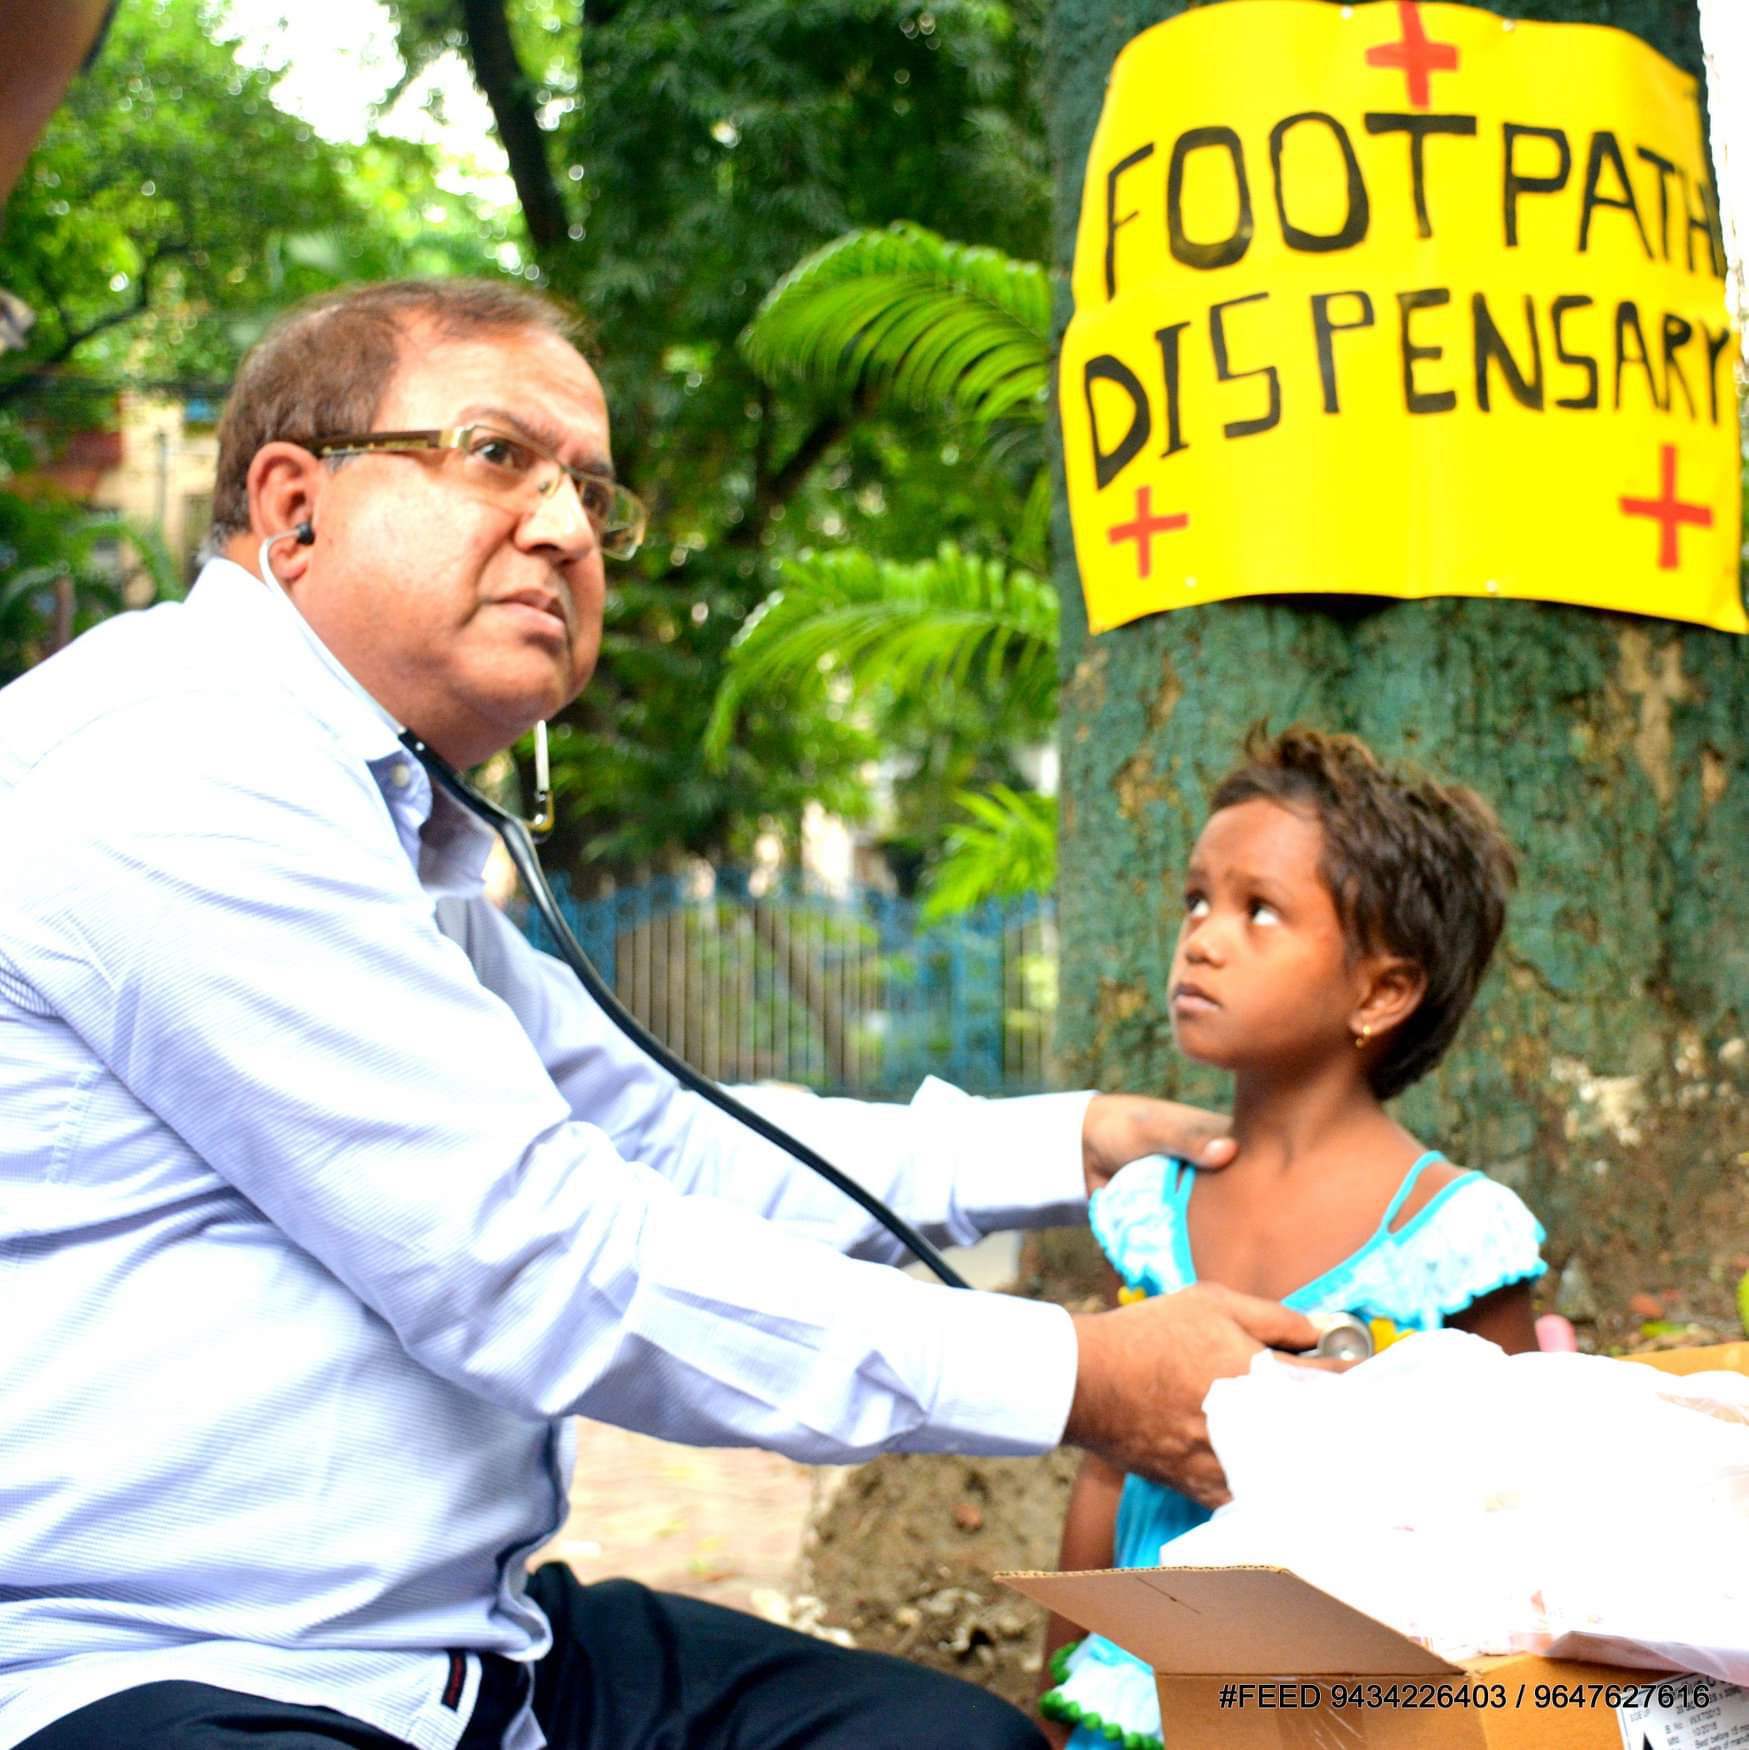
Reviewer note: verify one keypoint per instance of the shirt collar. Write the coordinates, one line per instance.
(286, 651)
(448, 845)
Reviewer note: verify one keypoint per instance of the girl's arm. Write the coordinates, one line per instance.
(1089, 1535)
(1504, 1317)
(1089, 1539)
(1088, 1542)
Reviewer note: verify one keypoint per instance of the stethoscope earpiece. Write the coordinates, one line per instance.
(304, 534)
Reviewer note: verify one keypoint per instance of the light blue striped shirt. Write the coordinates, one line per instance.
(325, 1201)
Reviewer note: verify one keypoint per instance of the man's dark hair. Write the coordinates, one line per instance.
(1416, 868)
(323, 368)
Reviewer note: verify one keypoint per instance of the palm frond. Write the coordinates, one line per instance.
(943, 325)
(1006, 848)
(955, 621)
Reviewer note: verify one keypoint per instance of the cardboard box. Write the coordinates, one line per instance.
(1256, 1658)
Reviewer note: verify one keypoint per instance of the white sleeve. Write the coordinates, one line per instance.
(248, 950)
(954, 1166)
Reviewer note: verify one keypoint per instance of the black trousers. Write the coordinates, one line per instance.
(630, 1669)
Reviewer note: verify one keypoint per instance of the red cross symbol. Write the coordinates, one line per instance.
(1668, 511)
(1143, 530)
(1415, 55)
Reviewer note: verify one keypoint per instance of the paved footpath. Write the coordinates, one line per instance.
(721, 1523)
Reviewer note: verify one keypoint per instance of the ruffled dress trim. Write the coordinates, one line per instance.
(1099, 1686)
(1471, 1239)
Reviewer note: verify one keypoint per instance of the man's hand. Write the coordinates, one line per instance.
(1145, 1370)
(1120, 1128)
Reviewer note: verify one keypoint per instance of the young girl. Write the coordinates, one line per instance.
(1337, 920)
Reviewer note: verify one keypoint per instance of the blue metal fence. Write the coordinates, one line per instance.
(842, 993)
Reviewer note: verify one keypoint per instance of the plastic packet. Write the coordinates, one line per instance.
(1485, 1503)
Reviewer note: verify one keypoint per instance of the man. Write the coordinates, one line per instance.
(325, 1201)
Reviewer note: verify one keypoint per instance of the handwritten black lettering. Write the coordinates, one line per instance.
(1627, 322)
(1583, 361)
(1519, 182)
(1718, 346)
(1416, 399)
(1606, 150)
(1491, 349)
(1112, 222)
(1678, 331)
(1324, 328)
(1665, 170)
(1359, 215)
(1420, 128)
(1226, 250)
(1109, 463)
(1168, 339)
(1706, 224)
(1223, 369)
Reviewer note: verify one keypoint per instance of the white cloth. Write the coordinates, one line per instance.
(1572, 1505)
(324, 1199)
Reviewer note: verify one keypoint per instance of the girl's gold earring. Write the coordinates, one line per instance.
(1363, 1035)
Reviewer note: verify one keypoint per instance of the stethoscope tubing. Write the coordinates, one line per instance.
(520, 844)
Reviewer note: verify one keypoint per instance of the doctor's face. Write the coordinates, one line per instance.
(468, 616)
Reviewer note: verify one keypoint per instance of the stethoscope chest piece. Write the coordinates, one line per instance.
(1342, 1336)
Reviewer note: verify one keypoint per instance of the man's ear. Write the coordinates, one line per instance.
(1392, 989)
(285, 482)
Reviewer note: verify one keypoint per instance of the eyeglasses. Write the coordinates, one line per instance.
(510, 472)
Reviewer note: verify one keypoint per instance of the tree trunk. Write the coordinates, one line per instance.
(1603, 1069)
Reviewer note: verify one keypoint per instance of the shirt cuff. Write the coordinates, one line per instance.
(1014, 1163)
(1007, 1376)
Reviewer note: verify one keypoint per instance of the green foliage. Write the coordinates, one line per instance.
(63, 568)
(901, 635)
(962, 332)
(1007, 848)
(398, 222)
(632, 782)
(169, 212)
(155, 196)
(951, 661)
(171, 209)
(943, 325)
(672, 164)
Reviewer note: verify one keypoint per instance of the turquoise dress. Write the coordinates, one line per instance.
(1473, 1237)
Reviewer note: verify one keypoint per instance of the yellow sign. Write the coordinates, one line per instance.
(1403, 300)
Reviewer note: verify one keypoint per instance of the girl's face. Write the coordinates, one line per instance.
(1262, 976)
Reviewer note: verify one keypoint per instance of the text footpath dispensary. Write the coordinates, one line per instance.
(1351, 329)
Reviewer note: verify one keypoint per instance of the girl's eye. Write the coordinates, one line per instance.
(1262, 912)
(1195, 906)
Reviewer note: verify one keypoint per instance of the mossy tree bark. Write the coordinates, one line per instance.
(1602, 1072)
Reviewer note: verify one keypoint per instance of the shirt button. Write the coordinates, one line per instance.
(401, 776)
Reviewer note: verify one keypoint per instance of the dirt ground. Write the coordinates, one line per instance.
(902, 1560)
